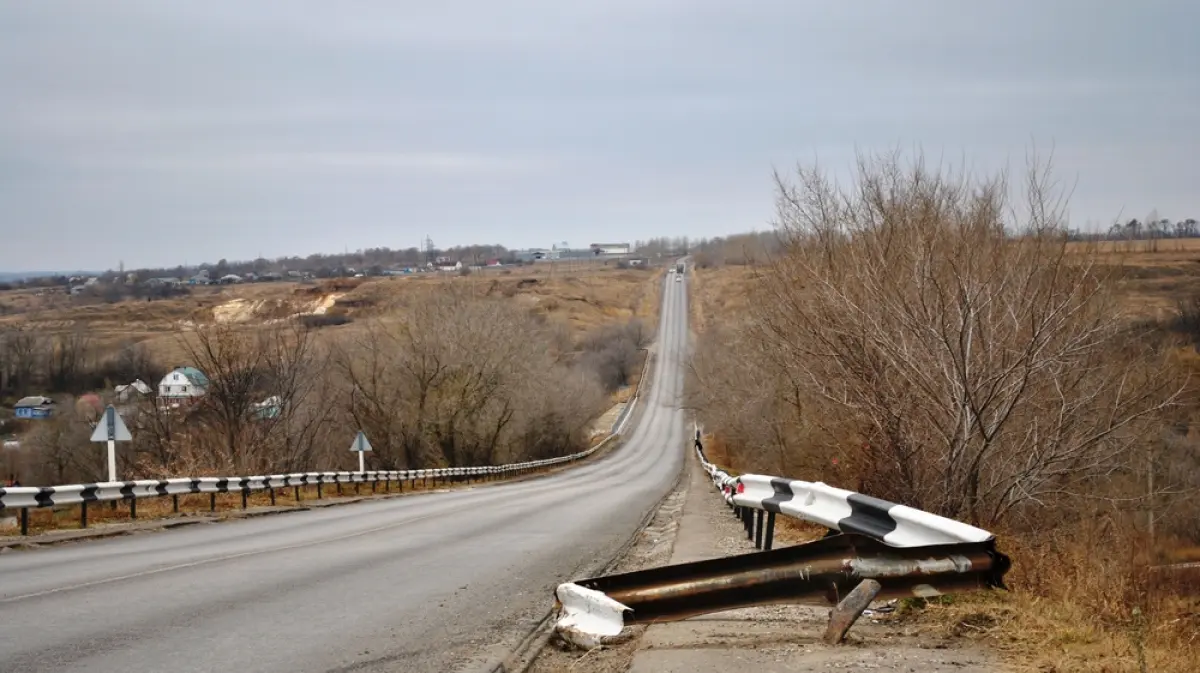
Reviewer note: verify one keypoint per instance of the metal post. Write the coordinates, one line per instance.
(374, 483)
(175, 503)
(356, 487)
(297, 494)
(133, 508)
(83, 514)
(758, 529)
(339, 488)
(770, 531)
(24, 521)
(245, 494)
(272, 497)
(842, 617)
(212, 502)
(320, 493)
(112, 460)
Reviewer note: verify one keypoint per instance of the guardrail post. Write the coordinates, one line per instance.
(272, 490)
(770, 531)
(212, 502)
(320, 494)
(297, 494)
(842, 617)
(83, 514)
(245, 495)
(24, 521)
(356, 487)
(374, 484)
(133, 508)
(339, 487)
(758, 529)
(175, 503)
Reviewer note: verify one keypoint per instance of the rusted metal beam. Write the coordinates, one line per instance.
(842, 617)
(820, 572)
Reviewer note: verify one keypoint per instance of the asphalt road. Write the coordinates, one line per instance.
(437, 582)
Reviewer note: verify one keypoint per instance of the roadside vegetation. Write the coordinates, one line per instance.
(438, 373)
(929, 338)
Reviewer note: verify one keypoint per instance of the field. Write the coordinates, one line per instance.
(580, 298)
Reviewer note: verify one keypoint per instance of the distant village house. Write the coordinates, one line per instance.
(182, 386)
(36, 406)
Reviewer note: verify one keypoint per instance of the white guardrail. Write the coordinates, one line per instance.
(841, 510)
(27, 497)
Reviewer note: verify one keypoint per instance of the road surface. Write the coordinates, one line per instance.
(438, 582)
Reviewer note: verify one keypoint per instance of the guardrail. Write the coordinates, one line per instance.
(883, 550)
(24, 498)
(757, 498)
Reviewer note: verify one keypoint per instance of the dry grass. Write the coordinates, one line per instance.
(719, 292)
(580, 296)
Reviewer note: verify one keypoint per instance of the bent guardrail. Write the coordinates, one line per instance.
(877, 549)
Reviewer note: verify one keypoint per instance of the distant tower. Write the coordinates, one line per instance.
(430, 253)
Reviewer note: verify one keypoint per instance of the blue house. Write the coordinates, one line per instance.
(34, 407)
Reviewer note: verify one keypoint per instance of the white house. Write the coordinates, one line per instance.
(611, 248)
(183, 384)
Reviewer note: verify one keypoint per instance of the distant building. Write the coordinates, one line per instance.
(611, 248)
(36, 406)
(267, 409)
(447, 265)
(125, 392)
(182, 385)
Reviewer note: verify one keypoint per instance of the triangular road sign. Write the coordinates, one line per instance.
(111, 428)
(360, 442)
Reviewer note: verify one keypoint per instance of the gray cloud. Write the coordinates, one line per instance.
(159, 132)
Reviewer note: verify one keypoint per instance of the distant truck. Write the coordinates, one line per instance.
(679, 267)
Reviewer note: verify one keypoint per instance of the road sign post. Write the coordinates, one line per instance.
(111, 429)
(361, 446)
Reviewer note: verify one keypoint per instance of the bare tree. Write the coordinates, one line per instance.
(457, 381)
(22, 357)
(985, 367)
(258, 400)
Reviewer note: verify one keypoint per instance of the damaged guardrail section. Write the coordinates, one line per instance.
(884, 550)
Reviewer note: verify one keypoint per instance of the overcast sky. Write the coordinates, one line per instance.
(162, 132)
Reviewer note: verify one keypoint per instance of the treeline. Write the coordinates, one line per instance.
(456, 381)
(34, 363)
(371, 261)
(737, 250)
(912, 343)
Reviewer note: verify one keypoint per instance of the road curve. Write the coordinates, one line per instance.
(439, 582)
